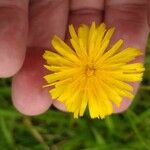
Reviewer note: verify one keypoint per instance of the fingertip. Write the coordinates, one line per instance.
(123, 107)
(126, 102)
(27, 99)
(59, 105)
(28, 95)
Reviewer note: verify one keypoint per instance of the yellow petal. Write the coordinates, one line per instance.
(83, 33)
(111, 52)
(125, 56)
(73, 32)
(55, 59)
(63, 49)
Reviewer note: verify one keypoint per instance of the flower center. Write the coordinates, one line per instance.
(89, 70)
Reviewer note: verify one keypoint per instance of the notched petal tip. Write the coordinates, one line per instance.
(71, 26)
(44, 86)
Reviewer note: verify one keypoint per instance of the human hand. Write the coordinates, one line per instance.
(47, 18)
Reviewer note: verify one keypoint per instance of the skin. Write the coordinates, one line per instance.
(26, 28)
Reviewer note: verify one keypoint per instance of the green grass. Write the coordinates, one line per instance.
(56, 130)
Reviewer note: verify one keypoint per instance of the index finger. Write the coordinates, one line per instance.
(13, 34)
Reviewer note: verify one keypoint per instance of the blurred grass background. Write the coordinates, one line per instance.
(56, 130)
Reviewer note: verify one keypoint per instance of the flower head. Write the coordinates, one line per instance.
(90, 73)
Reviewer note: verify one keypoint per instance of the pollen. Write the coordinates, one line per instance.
(89, 70)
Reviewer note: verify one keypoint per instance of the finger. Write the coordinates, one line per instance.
(13, 33)
(130, 20)
(46, 19)
(83, 11)
(86, 11)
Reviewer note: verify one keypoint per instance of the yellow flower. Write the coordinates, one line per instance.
(90, 73)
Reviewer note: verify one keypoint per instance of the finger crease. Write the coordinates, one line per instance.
(86, 11)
